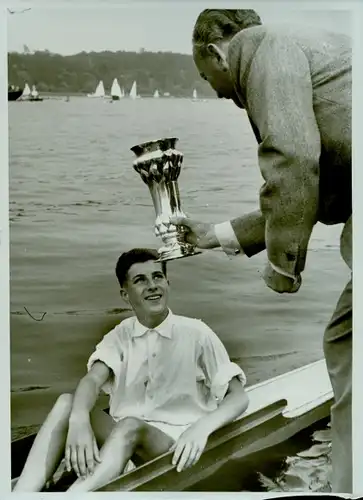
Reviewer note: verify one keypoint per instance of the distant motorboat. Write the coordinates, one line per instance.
(99, 92)
(14, 93)
(116, 92)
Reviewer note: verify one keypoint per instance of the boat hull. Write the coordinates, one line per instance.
(276, 413)
(13, 95)
(115, 98)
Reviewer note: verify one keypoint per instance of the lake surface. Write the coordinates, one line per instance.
(76, 203)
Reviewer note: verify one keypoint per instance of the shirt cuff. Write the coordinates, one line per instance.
(109, 357)
(227, 239)
(222, 379)
(284, 273)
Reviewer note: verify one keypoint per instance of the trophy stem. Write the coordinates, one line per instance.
(159, 165)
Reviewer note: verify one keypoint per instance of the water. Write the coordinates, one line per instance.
(76, 203)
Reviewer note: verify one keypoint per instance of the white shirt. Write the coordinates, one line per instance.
(175, 373)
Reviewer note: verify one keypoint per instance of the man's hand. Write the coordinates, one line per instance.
(280, 283)
(81, 450)
(189, 447)
(199, 234)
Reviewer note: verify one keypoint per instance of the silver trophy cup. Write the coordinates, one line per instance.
(159, 165)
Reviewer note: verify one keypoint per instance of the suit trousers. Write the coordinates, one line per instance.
(338, 356)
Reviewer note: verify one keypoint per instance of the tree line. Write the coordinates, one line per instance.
(168, 72)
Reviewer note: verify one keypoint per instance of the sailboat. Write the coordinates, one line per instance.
(195, 95)
(34, 95)
(133, 91)
(99, 92)
(26, 93)
(116, 92)
(156, 94)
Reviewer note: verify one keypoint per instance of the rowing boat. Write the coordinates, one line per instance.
(279, 408)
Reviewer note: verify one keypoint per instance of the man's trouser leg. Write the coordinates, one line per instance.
(338, 355)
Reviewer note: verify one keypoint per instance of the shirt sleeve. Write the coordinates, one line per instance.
(279, 102)
(216, 365)
(109, 351)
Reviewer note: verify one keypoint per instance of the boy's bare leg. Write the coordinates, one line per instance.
(48, 447)
(128, 436)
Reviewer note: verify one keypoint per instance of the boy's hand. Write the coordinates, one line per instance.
(189, 447)
(81, 452)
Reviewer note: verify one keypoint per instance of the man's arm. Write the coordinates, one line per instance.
(242, 235)
(279, 97)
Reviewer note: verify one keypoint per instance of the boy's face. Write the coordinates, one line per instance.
(147, 290)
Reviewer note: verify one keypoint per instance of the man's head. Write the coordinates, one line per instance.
(144, 284)
(213, 30)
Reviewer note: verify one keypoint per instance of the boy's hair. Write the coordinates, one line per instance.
(133, 256)
(215, 25)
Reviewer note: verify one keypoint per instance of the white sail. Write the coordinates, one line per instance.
(26, 91)
(100, 90)
(115, 89)
(156, 93)
(133, 91)
(34, 92)
(122, 92)
(195, 95)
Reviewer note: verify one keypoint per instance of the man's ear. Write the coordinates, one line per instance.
(215, 51)
(218, 54)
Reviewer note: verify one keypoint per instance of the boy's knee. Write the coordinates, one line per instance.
(130, 426)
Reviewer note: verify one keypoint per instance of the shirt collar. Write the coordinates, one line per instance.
(164, 329)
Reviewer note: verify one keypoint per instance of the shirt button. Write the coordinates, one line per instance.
(154, 354)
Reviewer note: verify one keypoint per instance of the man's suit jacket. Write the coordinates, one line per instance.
(295, 84)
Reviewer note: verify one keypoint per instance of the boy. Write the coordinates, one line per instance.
(170, 381)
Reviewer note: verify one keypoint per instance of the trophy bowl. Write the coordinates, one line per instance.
(159, 164)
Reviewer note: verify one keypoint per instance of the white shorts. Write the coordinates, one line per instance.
(172, 430)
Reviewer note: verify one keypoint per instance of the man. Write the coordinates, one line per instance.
(295, 85)
(170, 381)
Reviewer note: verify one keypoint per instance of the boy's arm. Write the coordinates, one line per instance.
(88, 390)
(192, 442)
(233, 405)
(81, 451)
(225, 381)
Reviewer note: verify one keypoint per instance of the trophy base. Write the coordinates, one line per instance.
(176, 253)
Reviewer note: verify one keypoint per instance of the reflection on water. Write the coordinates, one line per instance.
(308, 470)
(294, 465)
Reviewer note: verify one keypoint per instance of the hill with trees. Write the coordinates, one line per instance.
(80, 73)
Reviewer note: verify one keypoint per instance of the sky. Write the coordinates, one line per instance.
(75, 26)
